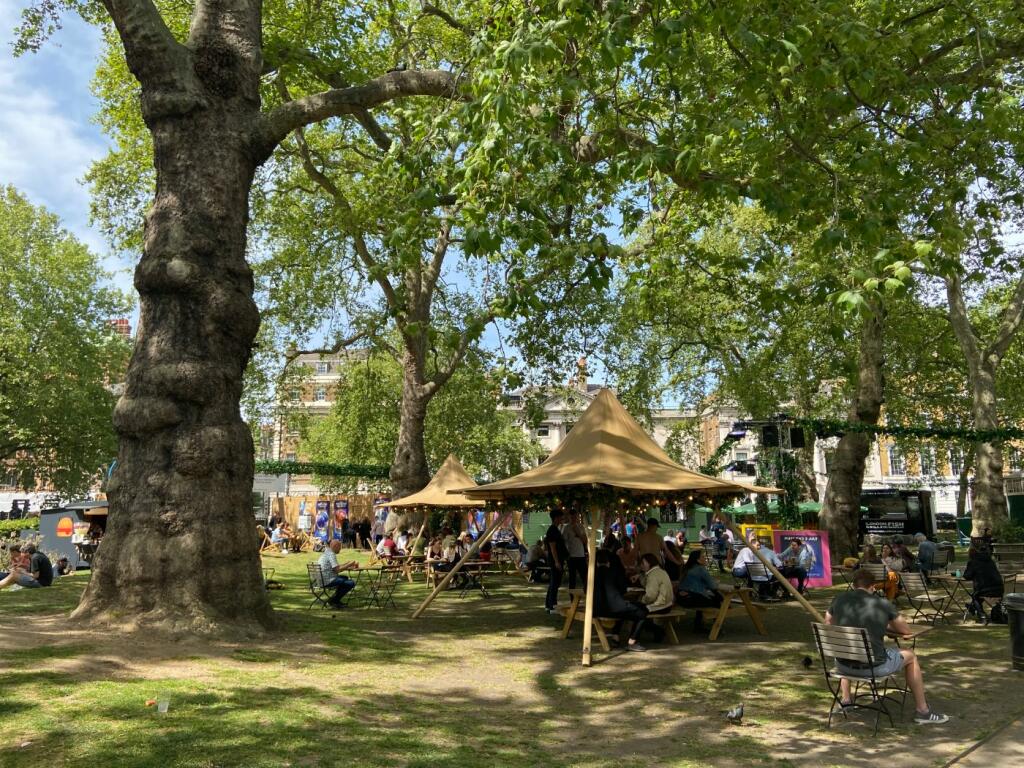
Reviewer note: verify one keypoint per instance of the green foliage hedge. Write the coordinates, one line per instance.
(321, 468)
(29, 523)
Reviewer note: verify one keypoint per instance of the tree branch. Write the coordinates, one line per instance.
(960, 320)
(161, 64)
(274, 126)
(432, 10)
(1009, 323)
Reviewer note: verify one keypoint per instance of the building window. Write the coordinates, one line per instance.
(1013, 459)
(568, 427)
(293, 395)
(323, 367)
(320, 394)
(927, 457)
(542, 431)
(897, 461)
(741, 455)
(956, 461)
(289, 457)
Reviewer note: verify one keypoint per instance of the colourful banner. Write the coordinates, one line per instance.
(820, 572)
(340, 516)
(323, 520)
(763, 532)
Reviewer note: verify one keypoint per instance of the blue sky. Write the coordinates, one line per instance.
(47, 139)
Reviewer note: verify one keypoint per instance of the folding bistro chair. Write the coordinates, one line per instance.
(317, 589)
(927, 602)
(762, 581)
(853, 646)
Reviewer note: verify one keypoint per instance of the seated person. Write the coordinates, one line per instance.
(899, 549)
(279, 537)
(674, 560)
(986, 580)
(387, 548)
(764, 585)
(402, 542)
(926, 551)
(703, 534)
(628, 557)
(484, 553)
(658, 594)
(797, 560)
(435, 552)
(62, 567)
(332, 577)
(33, 569)
(861, 607)
(610, 599)
(611, 542)
(418, 547)
(535, 559)
(681, 541)
(696, 588)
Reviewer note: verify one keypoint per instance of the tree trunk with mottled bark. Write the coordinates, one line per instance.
(841, 510)
(180, 549)
(988, 507)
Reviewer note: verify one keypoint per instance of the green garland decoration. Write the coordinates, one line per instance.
(836, 428)
(714, 463)
(324, 469)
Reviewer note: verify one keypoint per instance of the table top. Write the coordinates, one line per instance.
(916, 630)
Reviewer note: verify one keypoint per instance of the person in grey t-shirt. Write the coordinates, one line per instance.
(861, 607)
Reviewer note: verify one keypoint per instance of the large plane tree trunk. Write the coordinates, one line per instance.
(841, 510)
(180, 550)
(409, 470)
(988, 501)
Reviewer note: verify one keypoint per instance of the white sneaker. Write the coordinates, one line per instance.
(930, 718)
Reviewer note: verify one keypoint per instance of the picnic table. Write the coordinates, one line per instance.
(737, 601)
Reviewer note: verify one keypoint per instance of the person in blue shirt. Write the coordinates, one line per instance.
(696, 587)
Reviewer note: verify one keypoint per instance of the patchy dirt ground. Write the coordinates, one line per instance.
(474, 682)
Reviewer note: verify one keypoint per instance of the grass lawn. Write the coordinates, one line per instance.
(473, 683)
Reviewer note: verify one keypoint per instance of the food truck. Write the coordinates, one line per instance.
(74, 530)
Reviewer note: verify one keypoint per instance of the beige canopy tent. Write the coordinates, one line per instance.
(606, 448)
(441, 491)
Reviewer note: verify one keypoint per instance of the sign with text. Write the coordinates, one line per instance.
(820, 572)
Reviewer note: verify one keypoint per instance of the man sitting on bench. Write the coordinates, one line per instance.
(610, 599)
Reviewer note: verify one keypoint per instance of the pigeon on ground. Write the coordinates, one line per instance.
(735, 716)
(806, 662)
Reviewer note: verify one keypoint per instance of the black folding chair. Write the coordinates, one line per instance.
(853, 646)
(317, 588)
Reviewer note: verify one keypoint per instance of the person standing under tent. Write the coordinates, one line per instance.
(558, 557)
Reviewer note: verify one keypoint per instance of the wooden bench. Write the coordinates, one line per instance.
(737, 602)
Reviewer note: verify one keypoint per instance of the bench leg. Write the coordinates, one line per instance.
(723, 611)
(570, 617)
(756, 613)
(670, 632)
(601, 635)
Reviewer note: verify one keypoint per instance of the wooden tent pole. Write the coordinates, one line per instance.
(448, 576)
(588, 618)
(775, 571)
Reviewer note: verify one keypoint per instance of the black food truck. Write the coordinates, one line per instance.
(892, 511)
(74, 531)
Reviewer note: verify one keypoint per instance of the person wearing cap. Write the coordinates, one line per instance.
(38, 572)
(650, 542)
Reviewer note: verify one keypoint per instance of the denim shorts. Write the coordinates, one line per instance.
(24, 580)
(893, 663)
